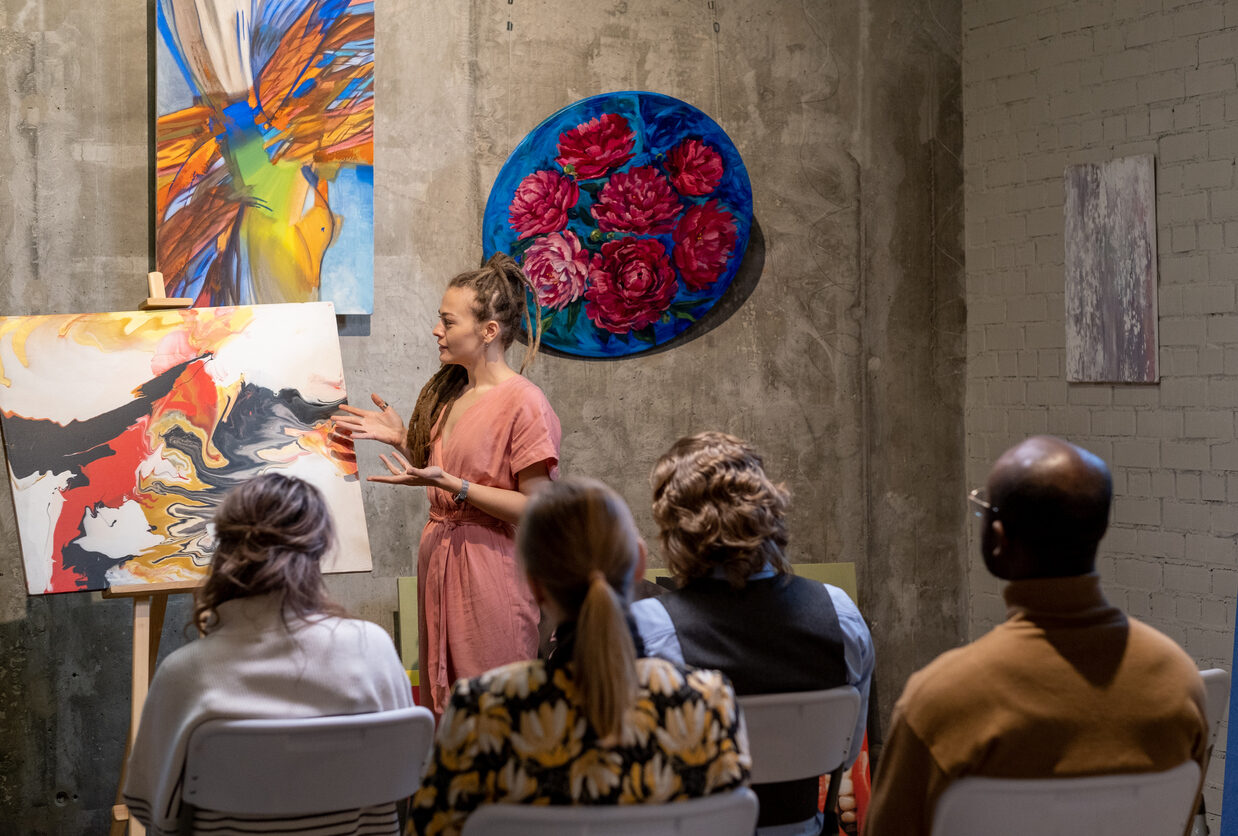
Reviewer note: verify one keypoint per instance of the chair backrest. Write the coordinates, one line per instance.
(801, 734)
(1216, 691)
(724, 814)
(308, 764)
(1148, 803)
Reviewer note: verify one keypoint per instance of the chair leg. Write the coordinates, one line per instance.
(830, 826)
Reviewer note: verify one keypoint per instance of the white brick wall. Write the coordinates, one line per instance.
(1051, 83)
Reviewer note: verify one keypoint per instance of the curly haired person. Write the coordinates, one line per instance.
(722, 526)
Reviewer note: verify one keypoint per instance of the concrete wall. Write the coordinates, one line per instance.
(1049, 84)
(844, 363)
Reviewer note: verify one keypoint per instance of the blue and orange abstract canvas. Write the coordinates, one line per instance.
(123, 431)
(265, 151)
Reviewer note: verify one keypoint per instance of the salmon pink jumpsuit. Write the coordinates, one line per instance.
(475, 610)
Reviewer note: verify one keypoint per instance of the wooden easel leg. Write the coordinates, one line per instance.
(148, 613)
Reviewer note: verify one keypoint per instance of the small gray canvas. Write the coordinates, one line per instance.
(1111, 316)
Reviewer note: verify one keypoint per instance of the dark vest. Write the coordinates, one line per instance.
(773, 636)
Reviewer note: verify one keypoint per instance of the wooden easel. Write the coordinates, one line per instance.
(150, 604)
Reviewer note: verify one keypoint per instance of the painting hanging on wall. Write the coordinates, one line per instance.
(123, 431)
(265, 151)
(1111, 310)
(630, 213)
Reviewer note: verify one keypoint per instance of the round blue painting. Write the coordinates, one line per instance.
(630, 214)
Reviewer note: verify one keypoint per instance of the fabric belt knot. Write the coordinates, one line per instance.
(455, 520)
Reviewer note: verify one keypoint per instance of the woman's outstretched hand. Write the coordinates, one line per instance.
(383, 424)
(403, 473)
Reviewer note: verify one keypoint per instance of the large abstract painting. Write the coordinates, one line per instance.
(630, 213)
(1111, 312)
(265, 151)
(123, 431)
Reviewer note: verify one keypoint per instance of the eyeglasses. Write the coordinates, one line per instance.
(979, 498)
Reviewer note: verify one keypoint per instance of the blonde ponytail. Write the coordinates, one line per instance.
(578, 541)
(605, 658)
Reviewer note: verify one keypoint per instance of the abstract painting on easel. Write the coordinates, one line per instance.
(123, 431)
(265, 151)
(1111, 310)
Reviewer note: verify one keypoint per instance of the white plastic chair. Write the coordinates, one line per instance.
(1147, 803)
(801, 734)
(1216, 691)
(307, 765)
(724, 814)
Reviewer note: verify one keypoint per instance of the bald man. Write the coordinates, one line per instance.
(1067, 685)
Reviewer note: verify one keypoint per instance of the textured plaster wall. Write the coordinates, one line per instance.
(843, 362)
(1052, 84)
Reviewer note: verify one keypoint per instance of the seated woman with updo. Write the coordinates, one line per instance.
(273, 645)
(594, 723)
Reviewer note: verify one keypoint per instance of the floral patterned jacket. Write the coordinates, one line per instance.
(516, 735)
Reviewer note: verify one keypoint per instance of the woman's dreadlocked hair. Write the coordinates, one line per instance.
(499, 292)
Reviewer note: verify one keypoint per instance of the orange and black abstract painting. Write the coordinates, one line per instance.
(123, 431)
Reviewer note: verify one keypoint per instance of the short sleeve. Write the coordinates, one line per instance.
(536, 434)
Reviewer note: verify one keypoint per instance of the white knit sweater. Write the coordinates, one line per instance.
(252, 665)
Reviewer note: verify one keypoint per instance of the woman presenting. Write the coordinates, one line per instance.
(481, 440)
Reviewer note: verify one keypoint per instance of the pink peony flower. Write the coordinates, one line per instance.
(632, 288)
(541, 203)
(640, 200)
(704, 240)
(559, 268)
(695, 168)
(595, 147)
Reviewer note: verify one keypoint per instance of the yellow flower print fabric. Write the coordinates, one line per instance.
(516, 735)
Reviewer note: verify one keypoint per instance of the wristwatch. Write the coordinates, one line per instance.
(462, 494)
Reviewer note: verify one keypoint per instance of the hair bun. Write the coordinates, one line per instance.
(502, 262)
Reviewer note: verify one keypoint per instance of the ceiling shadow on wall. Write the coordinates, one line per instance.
(732, 300)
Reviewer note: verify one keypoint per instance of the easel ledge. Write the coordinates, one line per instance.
(158, 299)
(136, 590)
(150, 604)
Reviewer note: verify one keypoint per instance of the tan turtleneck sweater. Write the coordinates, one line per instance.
(1067, 685)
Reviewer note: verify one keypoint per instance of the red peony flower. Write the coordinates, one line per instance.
(635, 284)
(640, 200)
(595, 147)
(704, 240)
(559, 268)
(695, 168)
(541, 203)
